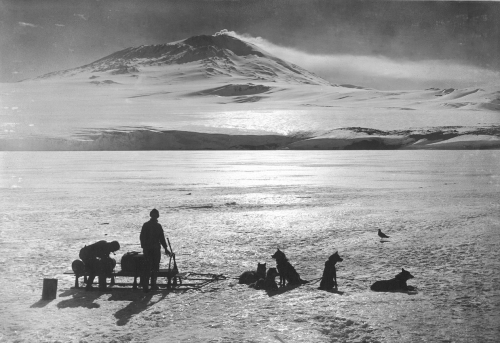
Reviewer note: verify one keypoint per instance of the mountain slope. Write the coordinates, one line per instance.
(215, 55)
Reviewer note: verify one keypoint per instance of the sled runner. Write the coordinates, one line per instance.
(132, 267)
(171, 278)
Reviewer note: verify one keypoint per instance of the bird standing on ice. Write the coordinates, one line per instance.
(381, 234)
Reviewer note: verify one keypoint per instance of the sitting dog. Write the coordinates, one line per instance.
(267, 283)
(251, 276)
(329, 279)
(398, 284)
(286, 271)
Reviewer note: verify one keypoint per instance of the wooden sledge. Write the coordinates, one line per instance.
(133, 265)
(173, 279)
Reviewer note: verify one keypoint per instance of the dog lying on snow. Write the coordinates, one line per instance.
(267, 283)
(398, 284)
(286, 271)
(329, 279)
(251, 276)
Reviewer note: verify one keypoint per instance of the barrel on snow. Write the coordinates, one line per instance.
(49, 291)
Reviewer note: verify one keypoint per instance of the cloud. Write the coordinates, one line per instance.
(60, 25)
(377, 71)
(82, 16)
(22, 23)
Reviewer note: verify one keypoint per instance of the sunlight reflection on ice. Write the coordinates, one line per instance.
(226, 211)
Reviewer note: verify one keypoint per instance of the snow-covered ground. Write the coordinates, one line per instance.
(226, 211)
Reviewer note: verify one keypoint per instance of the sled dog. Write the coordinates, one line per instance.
(267, 283)
(286, 271)
(329, 279)
(251, 276)
(398, 284)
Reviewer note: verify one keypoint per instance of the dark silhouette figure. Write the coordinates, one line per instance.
(98, 263)
(398, 284)
(286, 271)
(252, 276)
(152, 239)
(381, 234)
(329, 279)
(268, 282)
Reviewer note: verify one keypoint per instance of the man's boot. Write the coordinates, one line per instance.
(145, 282)
(154, 287)
(102, 283)
(89, 282)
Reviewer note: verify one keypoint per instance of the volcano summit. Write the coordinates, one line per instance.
(221, 92)
(209, 56)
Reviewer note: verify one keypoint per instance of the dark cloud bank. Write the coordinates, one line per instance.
(43, 36)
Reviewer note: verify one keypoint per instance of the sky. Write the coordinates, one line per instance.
(371, 43)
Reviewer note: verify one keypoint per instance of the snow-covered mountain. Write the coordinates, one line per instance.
(220, 92)
(217, 55)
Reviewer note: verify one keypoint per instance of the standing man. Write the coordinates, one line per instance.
(152, 239)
